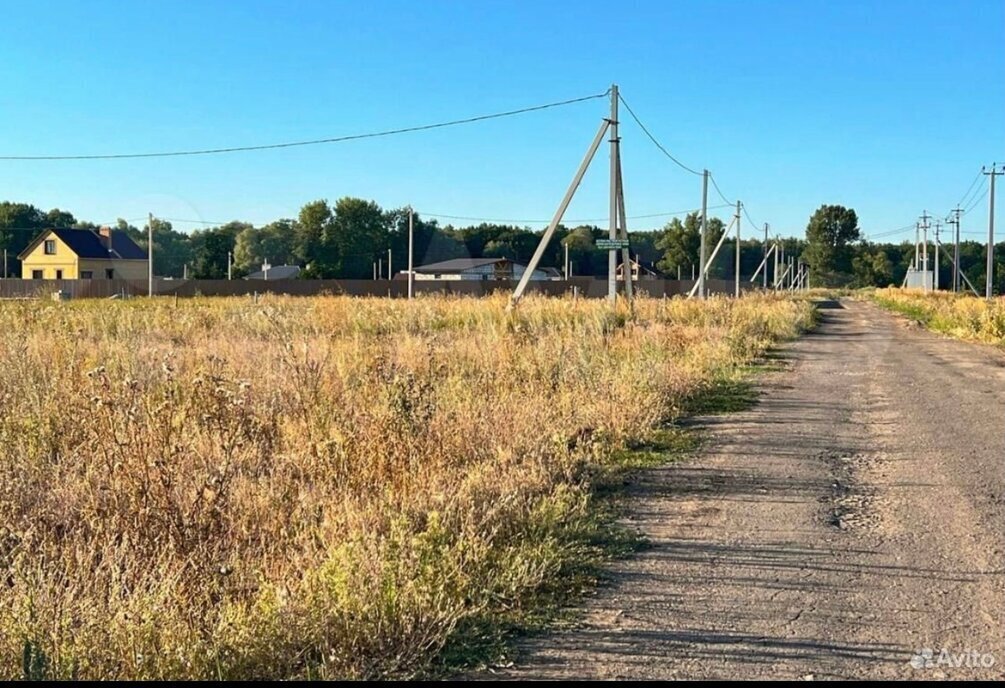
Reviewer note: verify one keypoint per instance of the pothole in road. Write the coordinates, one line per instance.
(850, 502)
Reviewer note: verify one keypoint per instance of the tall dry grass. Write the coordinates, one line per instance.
(958, 315)
(322, 487)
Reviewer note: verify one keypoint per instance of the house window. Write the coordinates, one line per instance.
(50, 247)
(59, 274)
(36, 274)
(110, 273)
(86, 274)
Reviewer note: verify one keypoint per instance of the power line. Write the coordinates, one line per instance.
(971, 188)
(653, 139)
(719, 191)
(582, 220)
(313, 142)
(976, 200)
(889, 232)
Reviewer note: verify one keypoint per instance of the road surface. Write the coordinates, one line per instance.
(851, 519)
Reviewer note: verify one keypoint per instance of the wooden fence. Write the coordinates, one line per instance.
(586, 287)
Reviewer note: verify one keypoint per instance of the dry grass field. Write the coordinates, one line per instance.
(317, 487)
(958, 315)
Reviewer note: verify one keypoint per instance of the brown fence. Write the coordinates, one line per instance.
(584, 286)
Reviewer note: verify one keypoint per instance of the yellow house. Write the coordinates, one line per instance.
(83, 254)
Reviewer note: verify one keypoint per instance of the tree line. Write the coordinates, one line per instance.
(346, 238)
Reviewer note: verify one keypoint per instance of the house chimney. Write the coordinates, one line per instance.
(105, 235)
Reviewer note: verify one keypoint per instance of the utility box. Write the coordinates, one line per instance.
(919, 279)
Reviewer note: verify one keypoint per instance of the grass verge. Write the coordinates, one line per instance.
(960, 316)
(327, 487)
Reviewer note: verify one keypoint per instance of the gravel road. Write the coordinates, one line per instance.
(854, 517)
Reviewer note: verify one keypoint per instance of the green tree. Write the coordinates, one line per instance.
(19, 223)
(583, 254)
(273, 243)
(829, 235)
(359, 231)
(172, 249)
(313, 240)
(60, 218)
(680, 243)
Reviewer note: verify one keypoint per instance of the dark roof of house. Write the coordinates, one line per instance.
(459, 264)
(86, 243)
(276, 272)
(127, 249)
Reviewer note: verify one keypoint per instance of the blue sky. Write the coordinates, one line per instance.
(888, 107)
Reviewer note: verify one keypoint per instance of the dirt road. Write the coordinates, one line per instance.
(853, 517)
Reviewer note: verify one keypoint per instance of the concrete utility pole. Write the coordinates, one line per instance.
(954, 219)
(736, 286)
(917, 246)
(612, 255)
(411, 244)
(230, 263)
(935, 270)
(704, 225)
(557, 217)
(924, 248)
(389, 273)
(780, 282)
(708, 264)
(566, 263)
(626, 254)
(994, 172)
(150, 254)
(765, 285)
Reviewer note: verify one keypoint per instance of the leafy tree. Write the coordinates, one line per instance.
(60, 218)
(19, 224)
(680, 243)
(172, 249)
(583, 254)
(273, 243)
(313, 240)
(829, 234)
(359, 231)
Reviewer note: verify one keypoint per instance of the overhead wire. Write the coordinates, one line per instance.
(311, 142)
(654, 140)
(569, 221)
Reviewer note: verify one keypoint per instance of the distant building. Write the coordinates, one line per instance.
(639, 272)
(275, 272)
(83, 254)
(480, 269)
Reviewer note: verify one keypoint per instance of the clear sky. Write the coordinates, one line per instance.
(888, 107)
